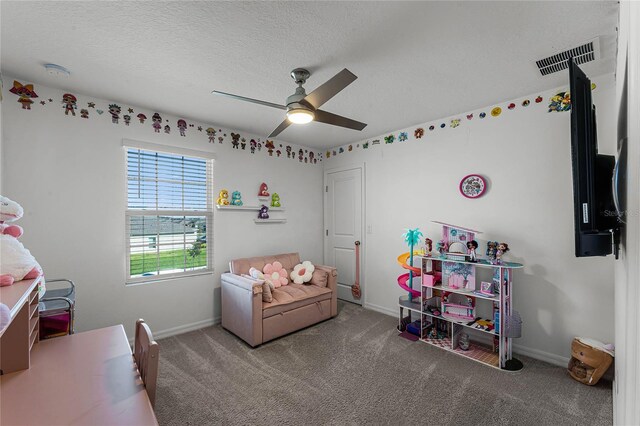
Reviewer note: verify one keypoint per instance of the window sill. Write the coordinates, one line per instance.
(160, 278)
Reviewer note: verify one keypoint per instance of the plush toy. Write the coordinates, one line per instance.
(223, 198)
(274, 273)
(264, 190)
(16, 262)
(236, 198)
(264, 212)
(275, 200)
(267, 286)
(302, 272)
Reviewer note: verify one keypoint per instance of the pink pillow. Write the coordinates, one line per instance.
(276, 274)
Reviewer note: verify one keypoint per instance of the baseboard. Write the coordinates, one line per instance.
(382, 309)
(173, 331)
(554, 359)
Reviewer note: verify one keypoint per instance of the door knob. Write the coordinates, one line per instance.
(357, 243)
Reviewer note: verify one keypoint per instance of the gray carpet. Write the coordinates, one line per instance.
(355, 369)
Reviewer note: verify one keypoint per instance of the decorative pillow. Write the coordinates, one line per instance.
(275, 274)
(302, 272)
(320, 278)
(267, 286)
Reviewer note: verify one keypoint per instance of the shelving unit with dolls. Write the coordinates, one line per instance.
(460, 316)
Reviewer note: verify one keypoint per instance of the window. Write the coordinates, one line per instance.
(169, 215)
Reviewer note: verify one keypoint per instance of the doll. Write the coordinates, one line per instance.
(441, 247)
(491, 250)
(429, 246)
(472, 246)
(501, 250)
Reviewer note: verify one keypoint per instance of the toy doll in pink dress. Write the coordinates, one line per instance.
(157, 122)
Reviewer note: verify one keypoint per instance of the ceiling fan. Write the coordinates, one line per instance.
(302, 108)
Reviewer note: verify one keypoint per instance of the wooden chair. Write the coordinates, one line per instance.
(146, 356)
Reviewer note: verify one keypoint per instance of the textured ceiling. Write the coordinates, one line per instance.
(416, 61)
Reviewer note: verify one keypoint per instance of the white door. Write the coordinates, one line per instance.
(343, 227)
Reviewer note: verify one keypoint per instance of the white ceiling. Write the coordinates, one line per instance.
(416, 61)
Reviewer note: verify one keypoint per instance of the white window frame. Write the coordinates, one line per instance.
(210, 158)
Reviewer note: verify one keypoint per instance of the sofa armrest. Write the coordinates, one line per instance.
(332, 283)
(254, 286)
(242, 307)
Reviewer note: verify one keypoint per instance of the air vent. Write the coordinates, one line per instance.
(585, 53)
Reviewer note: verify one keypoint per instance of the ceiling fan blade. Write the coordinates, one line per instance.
(338, 120)
(330, 88)
(280, 128)
(255, 101)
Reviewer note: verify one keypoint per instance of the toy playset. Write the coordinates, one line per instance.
(456, 314)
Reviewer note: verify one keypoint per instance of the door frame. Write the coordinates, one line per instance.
(363, 242)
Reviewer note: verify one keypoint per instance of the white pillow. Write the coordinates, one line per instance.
(303, 272)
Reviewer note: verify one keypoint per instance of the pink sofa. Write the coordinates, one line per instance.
(294, 306)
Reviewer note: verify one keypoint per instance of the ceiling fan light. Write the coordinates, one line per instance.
(300, 116)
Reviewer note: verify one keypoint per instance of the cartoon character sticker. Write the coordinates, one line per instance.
(25, 94)
(288, 149)
(418, 133)
(253, 145)
(278, 152)
(84, 113)
(243, 143)
(235, 140)
(403, 136)
(167, 129)
(389, 139)
(141, 117)
(364, 145)
(301, 155)
(270, 147)
(157, 122)
(455, 123)
(69, 104)
(328, 154)
(126, 118)
(114, 110)
(182, 127)
(496, 111)
(211, 134)
(560, 102)
(220, 139)
(312, 157)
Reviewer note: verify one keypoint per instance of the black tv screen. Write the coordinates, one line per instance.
(594, 214)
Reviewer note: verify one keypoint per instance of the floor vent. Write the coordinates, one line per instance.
(585, 53)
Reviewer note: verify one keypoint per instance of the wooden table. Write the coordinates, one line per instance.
(87, 378)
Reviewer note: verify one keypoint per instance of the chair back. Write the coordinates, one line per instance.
(146, 355)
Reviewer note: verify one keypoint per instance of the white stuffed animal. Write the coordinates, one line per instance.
(16, 262)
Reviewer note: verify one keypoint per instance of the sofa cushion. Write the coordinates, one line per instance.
(242, 266)
(320, 278)
(293, 296)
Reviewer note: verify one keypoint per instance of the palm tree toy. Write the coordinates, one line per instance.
(411, 237)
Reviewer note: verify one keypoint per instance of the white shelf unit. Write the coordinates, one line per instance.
(254, 208)
(270, 220)
(482, 345)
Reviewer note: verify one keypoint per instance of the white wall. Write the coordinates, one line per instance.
(69, 175)
(525, 154)
(627, 312)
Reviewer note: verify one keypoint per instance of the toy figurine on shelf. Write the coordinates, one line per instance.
(442, 248)
(275, 200)
(463, 343)
(429, 246)
(472, 246)
(236, 198)
(501, 250)
(264, 190)
(223, 198)
(492, 247)
(264, 212)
